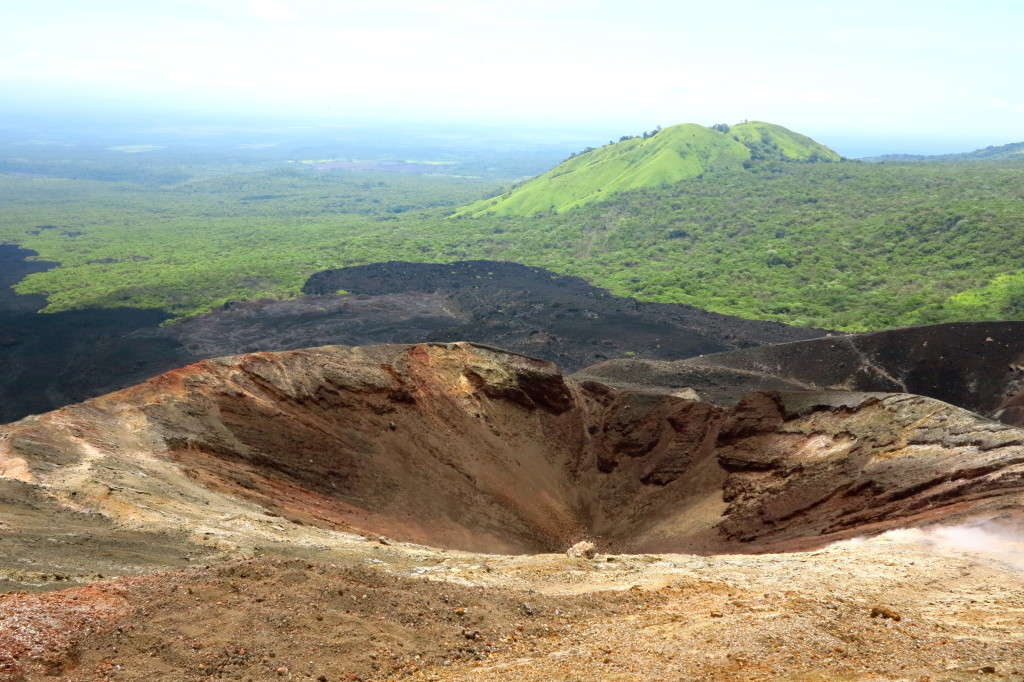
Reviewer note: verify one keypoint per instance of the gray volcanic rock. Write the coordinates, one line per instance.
(470, 447)
(55, 359)
(976, 365)
(561, 319)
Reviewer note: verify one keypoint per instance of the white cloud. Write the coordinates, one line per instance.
(271, 10)
(584, 61)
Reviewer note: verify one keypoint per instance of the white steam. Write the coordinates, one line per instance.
(986, 537)
(991, 539)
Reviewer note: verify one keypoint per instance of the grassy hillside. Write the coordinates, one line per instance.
(676, 153)
(767, 141)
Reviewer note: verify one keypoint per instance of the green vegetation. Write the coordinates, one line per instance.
(844, 245)
(1002, 298)
(191, 246)
(676, 153)
(769, 141)
(849, 246)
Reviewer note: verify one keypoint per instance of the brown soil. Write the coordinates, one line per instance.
(406, 612)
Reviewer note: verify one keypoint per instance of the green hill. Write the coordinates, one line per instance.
(673, 154)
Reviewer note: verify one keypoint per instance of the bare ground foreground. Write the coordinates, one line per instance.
(403, 512)
(381, 611)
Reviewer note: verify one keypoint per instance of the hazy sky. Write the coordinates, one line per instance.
(885, 69)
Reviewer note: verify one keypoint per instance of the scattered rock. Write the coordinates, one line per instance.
(884, 612)
(686, 394)
(584, 548)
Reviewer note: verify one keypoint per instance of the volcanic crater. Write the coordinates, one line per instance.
(473, 448)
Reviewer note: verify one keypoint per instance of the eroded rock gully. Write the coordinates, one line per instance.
(468, 447)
